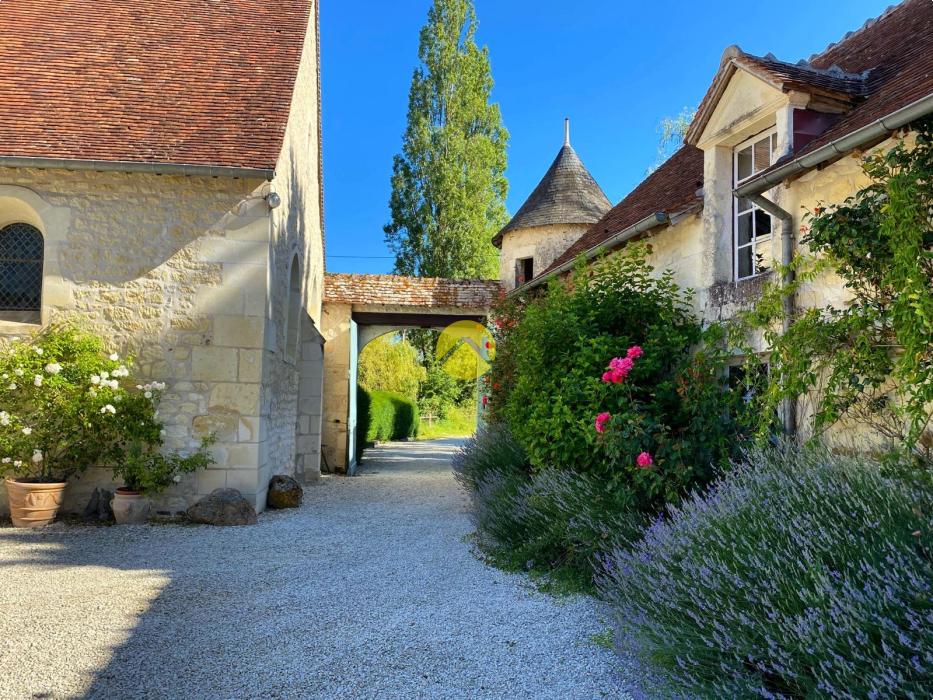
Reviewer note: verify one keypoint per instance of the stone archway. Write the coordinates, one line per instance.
(358, 308)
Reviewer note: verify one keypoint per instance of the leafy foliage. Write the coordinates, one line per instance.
(544, 520)
(673, 403)
(800, 574)
(870, 361)
(390, 363)
(448, 183)
(66, 407)
(147, 470)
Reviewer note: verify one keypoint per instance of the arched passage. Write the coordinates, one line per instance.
(359, 308)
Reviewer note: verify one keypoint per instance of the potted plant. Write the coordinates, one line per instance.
(145, 471)
(57, 391)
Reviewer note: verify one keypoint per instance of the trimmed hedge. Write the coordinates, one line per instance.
(382, 415)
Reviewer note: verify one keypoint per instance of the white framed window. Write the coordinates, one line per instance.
(752, 226)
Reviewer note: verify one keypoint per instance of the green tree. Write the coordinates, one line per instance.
(672, 131)
(448, 183)
(390, 363)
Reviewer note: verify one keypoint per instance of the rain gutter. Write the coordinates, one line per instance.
(136, 167)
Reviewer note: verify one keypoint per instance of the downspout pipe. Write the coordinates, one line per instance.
(789, 406)
(649, 222)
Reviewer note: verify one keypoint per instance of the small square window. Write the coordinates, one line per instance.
(524, 271)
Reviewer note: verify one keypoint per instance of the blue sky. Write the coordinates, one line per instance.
(616, 68)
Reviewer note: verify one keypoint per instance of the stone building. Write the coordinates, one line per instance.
(561, 208)
(160, 181)
(770, 140)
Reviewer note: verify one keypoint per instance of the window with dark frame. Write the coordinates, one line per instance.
(524, 271)
(21, 259)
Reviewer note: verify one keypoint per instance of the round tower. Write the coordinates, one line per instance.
(561, 208)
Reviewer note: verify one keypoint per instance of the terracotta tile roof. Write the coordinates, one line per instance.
(567, 194)
(196, 82)
(897, 50)
(398, 290)
(669, 189)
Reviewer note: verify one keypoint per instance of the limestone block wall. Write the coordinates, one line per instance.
(290, 351)
(334, 430)
(542, 243)
(174, 271)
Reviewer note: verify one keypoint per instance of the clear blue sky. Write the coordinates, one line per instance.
(615, 68)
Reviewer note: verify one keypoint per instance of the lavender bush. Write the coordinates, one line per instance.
(547, 520)
(799, 574)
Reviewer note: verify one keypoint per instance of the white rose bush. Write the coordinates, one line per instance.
(66, 404)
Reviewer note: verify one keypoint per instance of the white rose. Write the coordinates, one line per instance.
(27, 431)
(37, 456)
(37, 380)
(6, 376)
(114, 356)
(5, 460)
(95, 379)
(17, 462)
(176, 478)
(105, 375)
(53, 368)
(12, 386)
(108, 409)
(148, 394)
(39, 351)
(4, 418)
(18, 372)
(92, 391)
(114, 384)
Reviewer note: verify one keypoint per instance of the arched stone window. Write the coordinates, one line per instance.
(21, 257)
(293, 322)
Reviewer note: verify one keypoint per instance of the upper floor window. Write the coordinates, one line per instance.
(752, 227)
(21, 257)
(524, 271)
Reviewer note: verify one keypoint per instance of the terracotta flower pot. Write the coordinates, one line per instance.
(34, 505)
(130, 507)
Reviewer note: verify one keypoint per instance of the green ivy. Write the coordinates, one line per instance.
(871, 361)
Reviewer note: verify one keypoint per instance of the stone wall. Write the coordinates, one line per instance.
(542, 243)
(295, 290)
(172, 270)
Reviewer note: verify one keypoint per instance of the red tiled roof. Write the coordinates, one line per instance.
(194, 82)
(897, 49)
(671, 188)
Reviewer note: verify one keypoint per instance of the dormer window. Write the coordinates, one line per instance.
(524, 271)
(752, 226)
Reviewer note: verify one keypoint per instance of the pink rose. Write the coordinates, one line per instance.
(634, 352)
(644, 460)
(601, 421)
(607, 376)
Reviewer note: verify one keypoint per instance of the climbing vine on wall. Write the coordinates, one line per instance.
(872, 360)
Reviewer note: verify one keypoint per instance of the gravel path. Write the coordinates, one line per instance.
(368, 591)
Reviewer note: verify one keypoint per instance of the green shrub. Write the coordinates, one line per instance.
(799, 575)
(547, 520)
(548, 382)
(382, 416)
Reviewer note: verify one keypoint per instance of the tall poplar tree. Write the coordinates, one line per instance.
(448, 183)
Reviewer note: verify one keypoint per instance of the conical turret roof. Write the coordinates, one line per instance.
(567, 194)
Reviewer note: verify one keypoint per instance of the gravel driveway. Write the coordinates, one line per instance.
(368, 591)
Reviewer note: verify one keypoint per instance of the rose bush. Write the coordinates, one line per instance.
(67, 404)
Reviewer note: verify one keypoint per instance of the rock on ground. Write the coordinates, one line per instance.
(284, 492)
(223, 507)
(369, 590)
